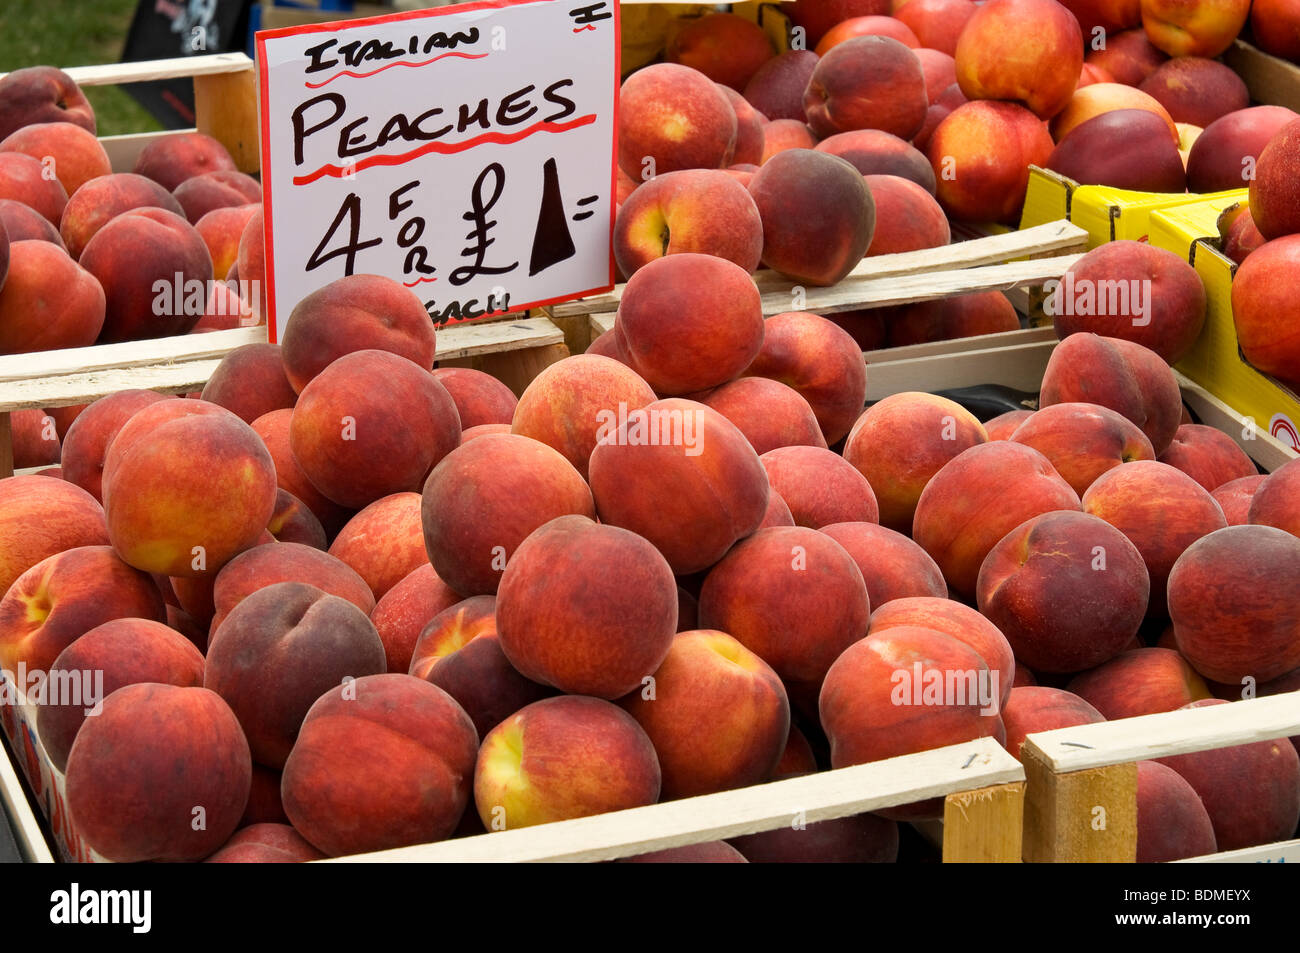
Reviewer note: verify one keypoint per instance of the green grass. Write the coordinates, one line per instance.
(75, 33)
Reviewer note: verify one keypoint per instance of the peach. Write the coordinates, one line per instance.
(403, 612)
(859, 839)
(792, 596)
(1276, 499)
(710, 852)
(1262, 311)
(171, 160)
(221, 230)
(688, 611)
(767, 412)
(964, 510)
(587, 608)
(186, 488)
(1226, 599)
(40, 94)
(892, 566)
(820, 487)
(1128, 56)
(944, 103)
(750, 138)
(867, 26)
(908, 218)
(1226, 153)
(873, 152)
(782, 135)
(1251, 791)
(776, 88)
(797, 758)
(1172, 823)
(937, 23)
(1100, 98)
(981, 153)
(959, 621)
(1275, 28)
(25, 179)
(250, 382)
(371, 424)
(1110, 15)
(1032, 708)
(777, 514)
(562, 758)
(381, 762)
(223, 188)
(482, 430)
(1208, 456)
(901, 442)
(817, 17)
(460, 652)
(1273, 194)
(1140, 682)
(688, 322)
(680, 475)
(945, 319)
(1206, 28)
(273, 428)
(265, 844)
(48, 301)
(1123, 149)
(940, 71)
(277, 651)
(1025, 51)
(485, 498)
(155, 763)
(72, 153)
(703, 211)
(355, 313)
(866, 326)
(40, 518)
(1091, 74)
(22, 223)
(726, 48)
(155, 270)
(1126, 377)
(1160, 509)
(1083, 441)
(479, 398)
(264, 805)
(673, 117)
(562, 405)
(292, 522)
(250, 265)
(1003, 426)
(384, 542)
(905, 690)
(102, 199)
(34, 439)
(121, 652)
(225, 309)
(1196, 90)
(867, 82)
(274, 563)
(1235, 498)
(1241, 237)
(819, 360)
(716, 713)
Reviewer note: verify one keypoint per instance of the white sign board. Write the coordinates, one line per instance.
(466, 151)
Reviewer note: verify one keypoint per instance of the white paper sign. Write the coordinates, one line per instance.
(465, 151)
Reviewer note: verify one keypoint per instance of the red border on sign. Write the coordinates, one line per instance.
(265, 122)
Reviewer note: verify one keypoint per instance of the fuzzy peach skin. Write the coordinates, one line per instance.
(873, 152)
(776, 88)
(40, 94)
(48, 301)
(1205, 28)
(265, 844)
(1262, 313)
(485, 498)
(1083, 441)
(965, 510)
(403, 612)
(41, 518)
(562, 758)
(892, 566)
(102, 199)
(820, 487)
(141, 769)
(587, 608)
(867, 82)
(672, 117)
(901, 442)
(1140, 682)
(1276, 499)
(385, 761)
(1229, 604)
(1208, 456)
(1026, 51)
(479, 397)
(1033, 708)
(770, 414)
(273, 563)
(250, 382)
(75, 154)
(171, 160)
(718, 715)
(383, 542)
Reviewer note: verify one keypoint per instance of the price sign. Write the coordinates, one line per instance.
(465, 151)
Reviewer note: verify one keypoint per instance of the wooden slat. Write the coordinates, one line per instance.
(1287, 852)
(85, 388)
(183, 347)
(111, 74)
(31, 839)
(984, 826)
(1166, 734)
(815, 797)
(467, 340)
(1262, 447)
(1054, 237)
(1080, 817)
(1020, 367)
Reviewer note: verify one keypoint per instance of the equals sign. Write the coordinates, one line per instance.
(585, 201)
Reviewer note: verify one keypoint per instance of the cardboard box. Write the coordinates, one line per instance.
(1107, 214)
(1216, 362)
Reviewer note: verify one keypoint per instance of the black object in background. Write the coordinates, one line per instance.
(167, 29)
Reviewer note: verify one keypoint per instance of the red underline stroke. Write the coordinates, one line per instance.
(348, 72)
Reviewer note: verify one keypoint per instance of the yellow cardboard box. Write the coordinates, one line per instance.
(1216, 362)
